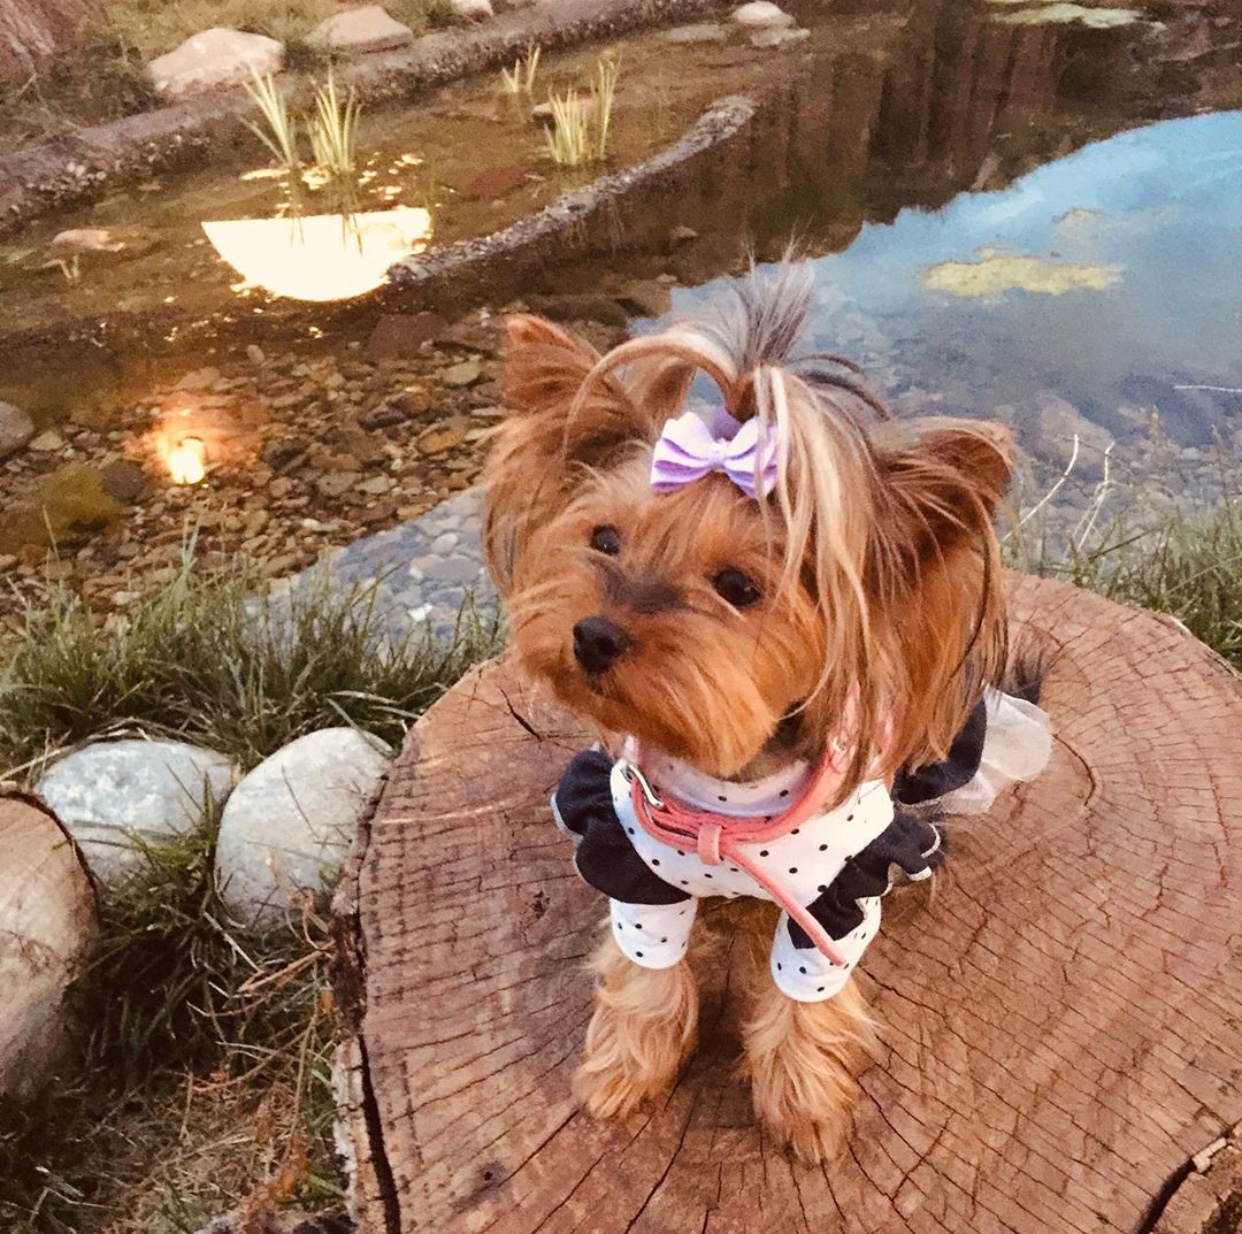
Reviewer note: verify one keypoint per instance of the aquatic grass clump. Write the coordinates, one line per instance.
(280, 135)
(580, 128)
(334, 130)
(521, 79)
(567, 138)
(202, 659)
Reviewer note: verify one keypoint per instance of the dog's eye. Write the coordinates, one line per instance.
(739, 589)
(606, 540)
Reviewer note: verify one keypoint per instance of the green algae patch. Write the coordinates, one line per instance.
(995, 273)
(1049, 14)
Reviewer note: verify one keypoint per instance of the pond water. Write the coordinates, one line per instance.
(1008, 214)
(1098, 295)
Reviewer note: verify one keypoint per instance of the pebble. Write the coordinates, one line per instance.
(47, 442)
(464, 374)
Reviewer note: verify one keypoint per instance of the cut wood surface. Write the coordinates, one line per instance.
(47, 921)
(1062, 1017)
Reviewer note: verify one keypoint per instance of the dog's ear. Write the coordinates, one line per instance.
(545, 369)
(554, 429)
(945, 479)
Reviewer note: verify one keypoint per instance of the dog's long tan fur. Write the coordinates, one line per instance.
(880, 581)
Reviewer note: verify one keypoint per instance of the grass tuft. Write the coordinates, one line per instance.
(202, 1080)
(579, 131)
(334, 130)
(521, 79)
(1187, 566)
(280, 135)
(201, 660)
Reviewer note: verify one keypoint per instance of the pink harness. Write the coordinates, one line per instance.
(718, 839)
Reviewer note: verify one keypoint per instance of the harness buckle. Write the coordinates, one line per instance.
(633, 775)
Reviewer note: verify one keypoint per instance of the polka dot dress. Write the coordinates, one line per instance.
(805, 861)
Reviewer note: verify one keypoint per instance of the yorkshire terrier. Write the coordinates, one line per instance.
(784, 615)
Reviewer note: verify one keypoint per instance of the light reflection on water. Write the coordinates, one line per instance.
(320, 257)
(1157, 207)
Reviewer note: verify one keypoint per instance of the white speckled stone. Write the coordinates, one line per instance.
(115, 796)
(778, 37)
(214, 59)
(356, 31)
(291, 820)
(762, 15)
(472, 10)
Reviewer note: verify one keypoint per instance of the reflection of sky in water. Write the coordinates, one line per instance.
(1162, 203)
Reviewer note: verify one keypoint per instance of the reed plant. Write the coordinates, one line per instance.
(568, 137)
(334, 130)
(280, 134)
(580, 129)
(603, 91)
(520, 80)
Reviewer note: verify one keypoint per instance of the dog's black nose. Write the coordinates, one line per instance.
(599, 643)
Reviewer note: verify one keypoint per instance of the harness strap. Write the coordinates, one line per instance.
(718, 839)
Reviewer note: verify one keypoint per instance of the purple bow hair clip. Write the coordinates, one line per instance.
(689, 449)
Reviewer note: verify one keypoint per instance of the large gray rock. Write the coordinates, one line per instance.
(361, 30)
(290, 821)
(214, 59)
(117, 796)
(16, 429)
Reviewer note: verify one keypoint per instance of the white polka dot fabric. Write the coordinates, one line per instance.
(805, 862)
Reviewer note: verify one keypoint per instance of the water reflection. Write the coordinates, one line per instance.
(1138, 236)
(321, 257)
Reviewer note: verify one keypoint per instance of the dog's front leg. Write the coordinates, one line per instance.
(802, 1059)
(643, 1028)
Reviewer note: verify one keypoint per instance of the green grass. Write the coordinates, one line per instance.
(200, 661)
(1187, 566)
(202, 1079)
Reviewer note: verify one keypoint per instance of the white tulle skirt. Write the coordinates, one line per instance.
(1017, 747)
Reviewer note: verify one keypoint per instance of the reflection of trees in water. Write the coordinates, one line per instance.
(957, 102)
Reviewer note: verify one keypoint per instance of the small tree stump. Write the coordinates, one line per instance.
(47, 920)
(1062, 1020)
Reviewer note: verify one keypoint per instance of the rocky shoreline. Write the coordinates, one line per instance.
(304, 455)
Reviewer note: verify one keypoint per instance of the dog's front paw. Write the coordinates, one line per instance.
(810, 1115)
(611, 1085)
(642, 1029)
(802, 1059)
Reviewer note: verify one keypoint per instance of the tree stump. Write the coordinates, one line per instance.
(47, 921)
(1062, 1018)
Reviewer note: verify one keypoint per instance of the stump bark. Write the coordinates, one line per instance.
(1062, 1019)
(47, 921)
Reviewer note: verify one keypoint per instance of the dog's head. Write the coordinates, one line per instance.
(842, 570)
